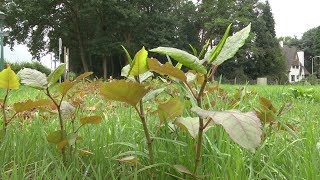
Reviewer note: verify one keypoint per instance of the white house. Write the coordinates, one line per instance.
(295, 63)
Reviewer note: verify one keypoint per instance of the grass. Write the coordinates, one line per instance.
(26, 154)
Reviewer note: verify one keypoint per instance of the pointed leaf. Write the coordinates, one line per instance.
(232, 45)
(30, 104)
(150, 95)
(91, 120)
(9, 79)
(127, 54)
(267, 104)
(214, 54)
(55, 75)
(166, 69)
(170, 109)
(285, 108)
(56, 136)
(194, 50)
(182, 169)
(32, 77)
(204, 48)
(266, 116)
(139, 64)
(182, 57)
(65, 86)
(130, 160)
(243, 128)
(82, 76)
(124, 91)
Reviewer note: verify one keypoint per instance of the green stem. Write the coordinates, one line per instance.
(58, 105)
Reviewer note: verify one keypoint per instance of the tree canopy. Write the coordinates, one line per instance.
(95, 30)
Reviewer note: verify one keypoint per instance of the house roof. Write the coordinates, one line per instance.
(291, 56)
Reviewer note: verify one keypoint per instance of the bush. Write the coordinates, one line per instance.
(16, 67)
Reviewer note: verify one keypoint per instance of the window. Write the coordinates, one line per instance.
(297, 77)
(292, 78)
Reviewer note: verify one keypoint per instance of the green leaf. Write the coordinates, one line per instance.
(65, 86)
(267, 104)
(55, 75)
(56, 137)
(182, 169)
(125, 70)
(166, 69)
(30, 104)
(232, 45)
(243, 128)
(9, 79)
(127, 54)
(142, 77)
(194, 50)
(32, 77)
(82, 76)
(130, 160)
(72, 138)
(139, 64)
(150, 95)
(170, 109)
(191, 124)
(124, 91)
(91, 120)
(214, 54)
(182, 57)
(204, 48)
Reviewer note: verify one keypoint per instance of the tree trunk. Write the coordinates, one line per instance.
(104, 64)
(112, 66)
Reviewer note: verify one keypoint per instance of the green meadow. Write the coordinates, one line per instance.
(284, 153)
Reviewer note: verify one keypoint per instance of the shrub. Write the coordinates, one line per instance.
(16, 67)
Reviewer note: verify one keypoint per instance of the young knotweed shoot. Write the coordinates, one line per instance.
(132, 91)
(8, 81)
(243, 128)
(39, 81)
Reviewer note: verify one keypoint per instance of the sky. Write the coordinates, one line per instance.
(292, 18)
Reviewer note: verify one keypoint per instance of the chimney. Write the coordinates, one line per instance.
(301, 57)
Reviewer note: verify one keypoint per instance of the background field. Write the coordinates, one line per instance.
(26, 154)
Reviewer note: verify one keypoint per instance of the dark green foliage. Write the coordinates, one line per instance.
(94, 31)
(16, 67)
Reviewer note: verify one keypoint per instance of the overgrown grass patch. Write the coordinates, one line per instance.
(26, 154)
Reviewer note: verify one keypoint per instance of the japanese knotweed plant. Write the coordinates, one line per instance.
(8, 81)
(133, 91)
(243, 128)
(57, 94)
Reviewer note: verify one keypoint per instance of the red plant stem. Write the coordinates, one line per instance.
(146, 132)
(4, 111)
(201, 123)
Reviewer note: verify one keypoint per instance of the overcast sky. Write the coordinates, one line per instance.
(292, 18)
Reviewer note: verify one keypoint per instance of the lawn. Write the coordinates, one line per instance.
(284, 154)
